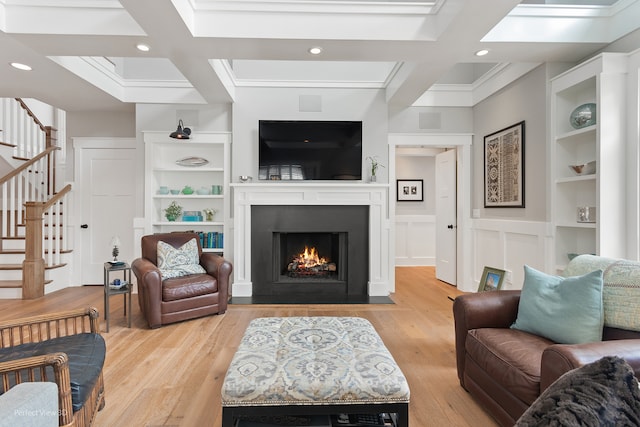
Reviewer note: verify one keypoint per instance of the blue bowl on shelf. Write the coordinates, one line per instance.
(583, 116)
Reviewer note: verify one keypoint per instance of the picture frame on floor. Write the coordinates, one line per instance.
(492, 279)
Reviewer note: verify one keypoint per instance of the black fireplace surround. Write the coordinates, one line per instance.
(340, 232)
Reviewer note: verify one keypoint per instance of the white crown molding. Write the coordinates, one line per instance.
(468, 95)
(101, 73)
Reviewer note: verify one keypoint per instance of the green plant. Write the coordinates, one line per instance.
(173, 211)
(375, 164)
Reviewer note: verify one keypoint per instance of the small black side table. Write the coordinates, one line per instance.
(125, 270)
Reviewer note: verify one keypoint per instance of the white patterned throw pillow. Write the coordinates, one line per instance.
(178, 262)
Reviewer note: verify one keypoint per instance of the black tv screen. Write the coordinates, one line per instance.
(310, 150)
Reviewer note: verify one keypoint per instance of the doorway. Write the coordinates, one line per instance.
(105, 170)
(459, 225)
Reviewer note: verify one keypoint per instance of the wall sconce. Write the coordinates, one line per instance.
(115, 243)
(181, 132)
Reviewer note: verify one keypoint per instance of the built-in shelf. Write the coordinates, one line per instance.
(161, 154)
(600, 80)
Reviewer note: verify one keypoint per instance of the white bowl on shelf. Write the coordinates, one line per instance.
(584, 168)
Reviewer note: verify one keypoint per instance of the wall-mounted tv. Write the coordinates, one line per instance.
(310, 150)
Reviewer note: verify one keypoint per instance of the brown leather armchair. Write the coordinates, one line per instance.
(505, 369)
(181, 298)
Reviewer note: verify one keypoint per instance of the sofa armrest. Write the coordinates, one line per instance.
(497, 309)
(560, 358)
(221, 269)
(149, 282)
(147, 273)
(33, 369)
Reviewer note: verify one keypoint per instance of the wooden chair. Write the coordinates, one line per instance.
(48, 329)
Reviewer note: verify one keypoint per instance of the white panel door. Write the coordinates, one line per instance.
(107, 199)
(446, 227)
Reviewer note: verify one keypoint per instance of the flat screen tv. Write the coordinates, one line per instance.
(310, 150)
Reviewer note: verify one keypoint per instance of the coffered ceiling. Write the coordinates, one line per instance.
(83, 52)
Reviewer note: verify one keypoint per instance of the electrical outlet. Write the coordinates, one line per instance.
(508, 276)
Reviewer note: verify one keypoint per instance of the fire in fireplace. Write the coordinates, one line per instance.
(337, 235)
(309, 264)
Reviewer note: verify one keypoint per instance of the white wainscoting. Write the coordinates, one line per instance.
(415, 240)
(509, 245)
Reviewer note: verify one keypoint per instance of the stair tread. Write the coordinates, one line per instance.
(10, 284)
(21, 251)
(7, 267)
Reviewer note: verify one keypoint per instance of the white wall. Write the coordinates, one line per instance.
(254, 104)
(525, 99)
(508, 238)
(415, 221)
(633, 156)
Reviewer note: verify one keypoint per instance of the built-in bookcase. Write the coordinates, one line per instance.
(601, 81)
(209, 182)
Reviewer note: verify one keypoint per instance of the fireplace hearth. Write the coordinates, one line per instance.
(310, 253)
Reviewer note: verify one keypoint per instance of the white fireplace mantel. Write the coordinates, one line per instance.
(246, 195)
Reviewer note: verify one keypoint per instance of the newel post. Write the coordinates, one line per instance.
(33, 265)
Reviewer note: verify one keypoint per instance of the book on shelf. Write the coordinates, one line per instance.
(211, 239)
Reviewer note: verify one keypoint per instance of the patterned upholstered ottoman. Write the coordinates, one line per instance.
(313, 366)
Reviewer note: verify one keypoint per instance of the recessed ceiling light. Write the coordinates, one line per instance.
(20, 66)
(482, 52)
(315, 50)
(143, 47)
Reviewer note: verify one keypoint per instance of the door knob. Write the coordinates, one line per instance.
(84, 226)
(450, 226)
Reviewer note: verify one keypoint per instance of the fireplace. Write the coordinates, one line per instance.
(310, 253)
(310, 256)
(374, 250)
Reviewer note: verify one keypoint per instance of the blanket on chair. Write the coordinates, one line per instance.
(602, 393)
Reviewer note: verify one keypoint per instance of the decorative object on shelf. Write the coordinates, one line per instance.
(209, 213)
(504, 168)
(163, 190)
(583, 116)
(216, 189)
(115, 251)
(182, 132)
(409, 190)
(192, 216)
(203, 191)
(245, 178)
(586, 214)
(585, 168)
(118, 284)
(374, 165)
(192, 161)
(173, 211)
(187, 190)
(175, 191)
(491, 280)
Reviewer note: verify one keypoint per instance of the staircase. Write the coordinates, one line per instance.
(33, 242)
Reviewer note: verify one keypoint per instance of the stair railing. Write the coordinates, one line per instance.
(29, 195)
(27, 183)
(21, 128)
(56, 241)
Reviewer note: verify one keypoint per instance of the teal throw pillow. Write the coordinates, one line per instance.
(566, 310)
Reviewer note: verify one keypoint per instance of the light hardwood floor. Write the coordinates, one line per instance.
(172, 376)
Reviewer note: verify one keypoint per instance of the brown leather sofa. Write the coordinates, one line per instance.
(180, 298)
(505, 369)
